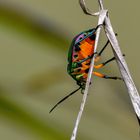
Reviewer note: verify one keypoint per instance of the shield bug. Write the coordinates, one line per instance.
(80, 54)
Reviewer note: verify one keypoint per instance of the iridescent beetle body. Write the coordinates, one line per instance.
(79, 56)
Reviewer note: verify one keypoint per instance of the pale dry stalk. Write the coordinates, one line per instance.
(132, 90)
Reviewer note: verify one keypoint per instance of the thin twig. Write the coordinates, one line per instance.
(102, 16)
(87, 83)
(132, 90)
(134, 95)
(101, 4)
(86, 10)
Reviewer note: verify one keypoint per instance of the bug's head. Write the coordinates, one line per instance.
(82, 85)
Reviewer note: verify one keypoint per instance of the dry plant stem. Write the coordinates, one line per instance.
(132, 90)
(86, 10)
(101, 19)
(134, 95)
(102, 16)
(101, 4)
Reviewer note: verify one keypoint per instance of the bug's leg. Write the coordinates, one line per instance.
(98, 26)
(81, 68)
(98, 66)
(107, 77)
(104, 63)
(101, 51)
(89, 57)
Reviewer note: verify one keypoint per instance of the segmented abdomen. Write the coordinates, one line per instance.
(80, 65)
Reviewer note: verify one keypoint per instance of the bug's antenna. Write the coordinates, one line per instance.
(64, 99)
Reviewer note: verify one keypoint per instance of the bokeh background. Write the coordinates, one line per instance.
(34, 41)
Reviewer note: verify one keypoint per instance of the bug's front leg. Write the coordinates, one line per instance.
(102, 50)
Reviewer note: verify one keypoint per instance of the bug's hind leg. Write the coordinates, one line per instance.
(104, 63)
(114, 77)
(110, 60)
(107, 77)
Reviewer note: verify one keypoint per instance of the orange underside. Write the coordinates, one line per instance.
(86, 49)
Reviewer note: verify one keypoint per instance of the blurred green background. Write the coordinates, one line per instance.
(34, 41)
